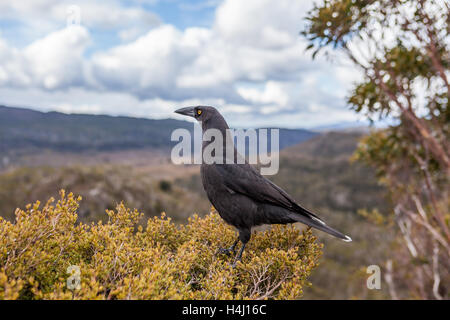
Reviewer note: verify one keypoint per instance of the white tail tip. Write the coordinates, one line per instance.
(318, 220)
(347, 239)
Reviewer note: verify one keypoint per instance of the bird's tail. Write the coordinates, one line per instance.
(319, 224)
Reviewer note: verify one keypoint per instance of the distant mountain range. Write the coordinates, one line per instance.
(351, 126)
(25, 129)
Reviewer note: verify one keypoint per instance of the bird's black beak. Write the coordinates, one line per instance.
(188, 111)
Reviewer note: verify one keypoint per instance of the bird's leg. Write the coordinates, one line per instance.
(227, 251)
(239, 256)
(244, 236)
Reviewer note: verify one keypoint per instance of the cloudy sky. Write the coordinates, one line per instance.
(145, 58)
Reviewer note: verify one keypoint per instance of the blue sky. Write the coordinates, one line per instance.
(184, 14)
(146, 58)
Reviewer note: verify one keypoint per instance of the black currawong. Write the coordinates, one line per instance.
(242, 196)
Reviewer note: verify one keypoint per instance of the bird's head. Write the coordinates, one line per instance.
(200, 113)
(209, 117)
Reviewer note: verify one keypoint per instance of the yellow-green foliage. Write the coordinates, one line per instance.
(121, 259)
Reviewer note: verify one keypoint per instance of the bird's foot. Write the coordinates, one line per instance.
(229, 250)
(226, 251)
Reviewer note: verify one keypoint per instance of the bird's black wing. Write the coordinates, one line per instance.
(244, 179)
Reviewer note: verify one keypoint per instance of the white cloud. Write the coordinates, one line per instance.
(109, 15)
(12, 71)
(53, 62)
(260, 23)
(27, 7)
(56, 61)
(273, 92)
(150, 65)
(250, 62)
(98, 14)
(39, 17)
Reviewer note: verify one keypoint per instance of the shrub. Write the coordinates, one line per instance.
(122, 259)
(165, 185)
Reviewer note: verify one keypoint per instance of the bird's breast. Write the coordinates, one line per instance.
(236, 209)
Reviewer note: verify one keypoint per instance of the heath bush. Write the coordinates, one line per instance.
(125, 259)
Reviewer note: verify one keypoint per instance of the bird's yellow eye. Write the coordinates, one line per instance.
(199, 111)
